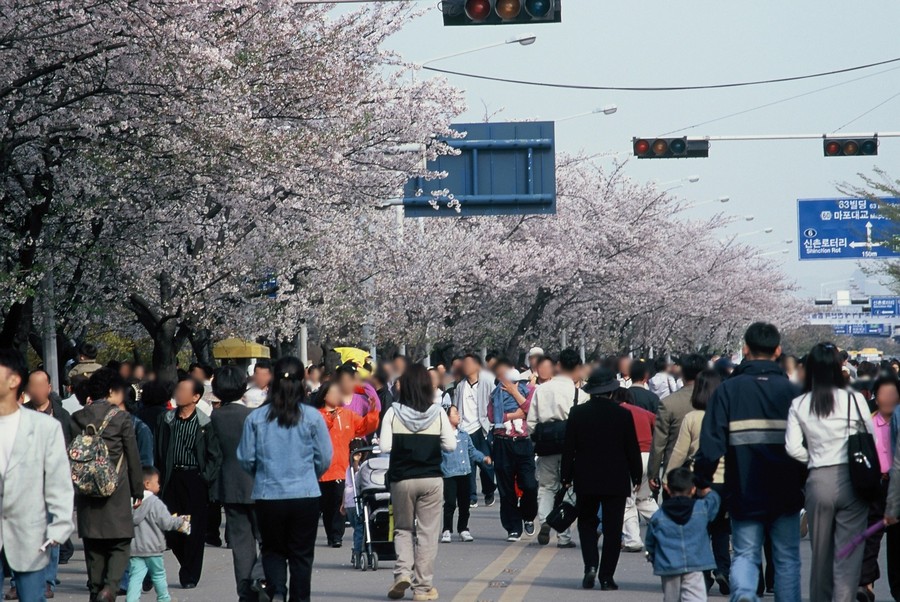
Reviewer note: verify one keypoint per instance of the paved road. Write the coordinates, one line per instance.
(488, 570)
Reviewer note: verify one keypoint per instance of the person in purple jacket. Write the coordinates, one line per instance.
(355, 391)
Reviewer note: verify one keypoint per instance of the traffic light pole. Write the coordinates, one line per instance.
(791, 136)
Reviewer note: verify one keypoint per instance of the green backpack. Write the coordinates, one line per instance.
(92, 473)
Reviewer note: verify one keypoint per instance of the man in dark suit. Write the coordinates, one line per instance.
(602, 457)
(234, 485)
(640, 390)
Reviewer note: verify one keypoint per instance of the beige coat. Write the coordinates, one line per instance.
(688, 443)
(37, 485)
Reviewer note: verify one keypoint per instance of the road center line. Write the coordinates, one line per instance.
(477, 585)
(524, 580)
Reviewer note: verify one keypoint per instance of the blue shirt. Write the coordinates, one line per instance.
(286, 462)
(677, 549)
(458, 463)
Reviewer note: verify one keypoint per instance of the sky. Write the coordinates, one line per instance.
(654, 43)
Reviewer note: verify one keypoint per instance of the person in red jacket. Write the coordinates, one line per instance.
(641, 503)
(343, 425)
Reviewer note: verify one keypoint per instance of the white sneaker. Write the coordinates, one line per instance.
(445, 537)
(466, 536)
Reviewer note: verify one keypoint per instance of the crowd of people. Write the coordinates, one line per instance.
(728, 465)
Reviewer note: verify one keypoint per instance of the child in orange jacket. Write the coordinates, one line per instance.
(343, 426)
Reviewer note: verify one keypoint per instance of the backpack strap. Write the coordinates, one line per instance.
(109, 416)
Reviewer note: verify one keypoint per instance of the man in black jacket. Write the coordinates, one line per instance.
(189, 458)
(745, 423)
(601, 455)
(234, 485)
(640, 391)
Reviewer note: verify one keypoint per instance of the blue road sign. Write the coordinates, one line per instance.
(885, 306)
(862, 330)
(845, 229)
(501, 169)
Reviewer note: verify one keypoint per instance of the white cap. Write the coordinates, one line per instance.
(513, 375)
(535, 351)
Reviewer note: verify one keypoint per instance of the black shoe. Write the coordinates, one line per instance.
(188, 585)
(336, 543)
(489, 500)
(122, 592)
(147, 585)
(608, 585)
(259, 586)
(566, 546)
(708, 580)
(724, 583)
(590, 577)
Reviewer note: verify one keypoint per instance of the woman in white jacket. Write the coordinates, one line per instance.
(819, 423)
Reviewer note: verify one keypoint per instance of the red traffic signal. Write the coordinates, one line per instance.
(500, 12)
(669, 148)
(850, 147)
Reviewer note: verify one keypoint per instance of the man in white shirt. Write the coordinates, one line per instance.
(262, 376)
(36, 497)
(534, 356)
(471, 397)
(551, 403)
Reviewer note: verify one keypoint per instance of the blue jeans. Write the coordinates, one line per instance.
(52, 568)
(138, 567)
(29, 585)
(359, 533)
(747, 538)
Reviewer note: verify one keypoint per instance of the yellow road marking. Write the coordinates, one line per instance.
(523, 582)
(477, 585)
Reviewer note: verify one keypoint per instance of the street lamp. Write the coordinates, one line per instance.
(524, 39)
(679, 182)
(778, 252)
(607, 110)
(721, 200)
(753, 233)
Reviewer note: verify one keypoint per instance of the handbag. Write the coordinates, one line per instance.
(563, 514)
(862, 458)
(549, 438)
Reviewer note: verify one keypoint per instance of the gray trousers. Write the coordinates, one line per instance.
(418, 508)
(548, 471)
(836, 514)
(689, 587)
(242, 535)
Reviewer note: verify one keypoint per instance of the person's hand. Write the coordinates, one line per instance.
(508, 386)
(488, 461)
(636, 488)
(890, 520)
(654, 484)
(343, 510)
(566, 485)
(137, 503)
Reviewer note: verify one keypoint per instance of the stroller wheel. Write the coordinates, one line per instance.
(373, 561)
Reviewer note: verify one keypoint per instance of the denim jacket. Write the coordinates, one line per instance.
(505, 403)
(286, 462)
(458, 463)
(678, 549)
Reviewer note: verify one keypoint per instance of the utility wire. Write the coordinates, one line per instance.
(861, 115)
(758, 82)
(775, 102)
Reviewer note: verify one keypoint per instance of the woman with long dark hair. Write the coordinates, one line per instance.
(286, 447)
(414, 432)
(819, 423)
(686, 446)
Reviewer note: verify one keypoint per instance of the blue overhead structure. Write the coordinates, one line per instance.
(501, 169)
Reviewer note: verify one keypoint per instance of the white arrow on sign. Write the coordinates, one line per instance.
(868, 244)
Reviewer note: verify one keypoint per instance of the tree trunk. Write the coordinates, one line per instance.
(201, 345)
(167, 332)
(528, 321)
(17, 325)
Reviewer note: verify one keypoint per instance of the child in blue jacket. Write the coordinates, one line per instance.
(677, 541)
(456, 466)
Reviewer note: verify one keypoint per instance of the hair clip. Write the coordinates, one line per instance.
(287, 375)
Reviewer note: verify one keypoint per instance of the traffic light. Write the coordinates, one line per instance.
(500, 12)
(850, 147)
(669, 148)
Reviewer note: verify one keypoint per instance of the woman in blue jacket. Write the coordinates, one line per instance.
(286, 493)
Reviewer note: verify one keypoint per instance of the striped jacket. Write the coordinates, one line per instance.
(745, 422)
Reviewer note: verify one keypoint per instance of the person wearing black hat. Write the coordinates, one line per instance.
(602, 458)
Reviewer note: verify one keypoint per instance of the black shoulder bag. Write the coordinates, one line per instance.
(550, 437)
(862, 457)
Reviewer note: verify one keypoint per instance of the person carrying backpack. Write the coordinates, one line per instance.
(104, 498)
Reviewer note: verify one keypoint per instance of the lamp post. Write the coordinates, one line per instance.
(721, 200)
(605, 110)
(525, 39)
(679, 182)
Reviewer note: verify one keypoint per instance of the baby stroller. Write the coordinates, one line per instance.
(373, 504)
